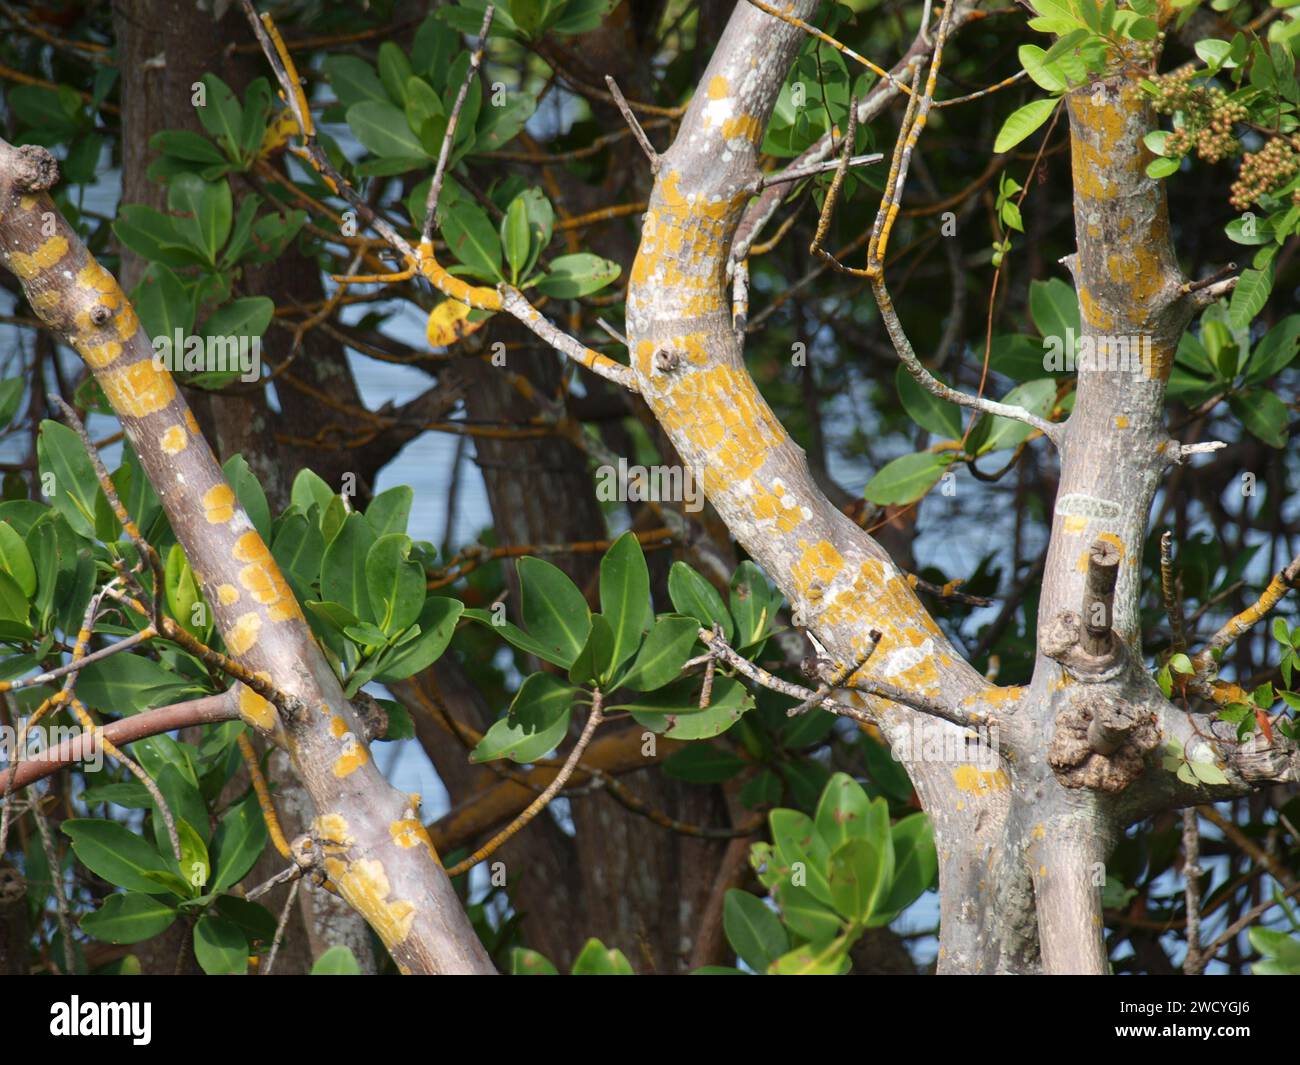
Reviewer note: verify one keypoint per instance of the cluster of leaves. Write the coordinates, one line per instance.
(1257, 713)
(829, 878)
(1091, 38)
(198, 249)
(362, 579)
(1222, 362)
(1281, 952)
(625, 648)
(1055, 311)
(399, 110)
(1241, 99)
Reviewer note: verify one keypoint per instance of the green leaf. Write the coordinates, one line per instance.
(753, 606)
(16, 560)
(596, 960)
(354, 80)
(860, 874)
(518, 638)
(1054, 307)
(931, 413)
(204, 212)
(592, 666)
(297, 549)
(391, 510)
(663, 654)
(220, 946)
(195, 868)
(625, 595)
(75, 487)
(472, 239)
(1264, 414)
(127, 684)
(241, 319)
(754, 931)
(221, 116)
(337, 961)
(814, 959)
(916, 863)
(580, 274)
(524, 962)
(248, 490)
(382, 128)
(535, 723)
(128, 918)
(1043, 72)
(1275, 352)
(516, 235)
(343, 567)
(693, 596)
(1022, 122)
(844, 812)
(115, 853)
(729, 703)
(11, 394)
(1249, 296)
(237, 843)
(395, 583)
(308, 488)
(908, 478)
(554, 611)
(394, 71)
(437, 622)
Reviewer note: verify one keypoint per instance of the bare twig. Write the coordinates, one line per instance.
(444, 151)
(635, 126)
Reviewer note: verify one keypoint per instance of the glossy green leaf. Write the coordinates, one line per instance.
(625, 596)
(695, 597)
(1022, 122)
(220, 946)
(554, 611)
(337, 961)
(343, 567)
(595, 959)
(237, 843)
(907, 478)
(579, 274)
(128, 918)
(754, 931)
(663, 654)
(112, 851)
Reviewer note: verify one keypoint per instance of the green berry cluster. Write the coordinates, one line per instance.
(1265, 170)
(1208, 116)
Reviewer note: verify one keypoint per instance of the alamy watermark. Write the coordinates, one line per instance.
(933, 741)
(649, 484)
(209, 354)
(81, 746)
(1088, 353)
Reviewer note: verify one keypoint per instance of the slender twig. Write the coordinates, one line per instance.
(283, 923)
(798, 173)
(56, 881)
(543, 800)
(1169, 591)
(635, 126)
(866, 685)
(444, 152)
(164, 811)
(838, 678)
(1192, 890)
